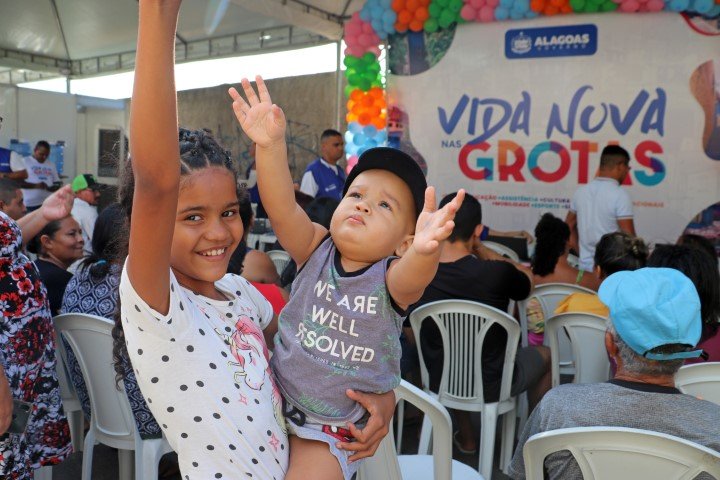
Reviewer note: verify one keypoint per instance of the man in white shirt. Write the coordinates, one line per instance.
(42, 176)
(601, 206)
(84, 210)
(324, 177)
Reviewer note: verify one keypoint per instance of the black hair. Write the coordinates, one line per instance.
(321, 210)
(35, 245)
(329, 133)
(8, 189)
(697, 241)
(105, 242)
(198, 150)
(245, 210)
(551, 237)
(701, 269)
(613, 155)
(467, 218)
(43, 144)
(618, 251)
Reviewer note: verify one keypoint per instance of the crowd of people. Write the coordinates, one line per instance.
(197, 311)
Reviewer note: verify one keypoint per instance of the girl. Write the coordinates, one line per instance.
(179, 311)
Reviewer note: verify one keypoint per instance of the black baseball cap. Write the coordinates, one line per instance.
(394, 161)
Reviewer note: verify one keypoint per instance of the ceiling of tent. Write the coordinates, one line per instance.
(50, 38)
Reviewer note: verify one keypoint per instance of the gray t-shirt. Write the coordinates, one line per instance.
(617, 404)
(339, 330)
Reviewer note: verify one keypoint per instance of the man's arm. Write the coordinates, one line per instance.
(17, 165)
(571, 221)
(627, 225)
(17, 176)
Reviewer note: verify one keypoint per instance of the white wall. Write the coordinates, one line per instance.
(49, 116)
(8, 110)
(90, 120)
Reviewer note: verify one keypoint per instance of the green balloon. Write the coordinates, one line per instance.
(608, 7)
(446, 18)
(592, 7)
(353, 79)
(351, 61)
(431, 25)
(577, 5)
(364, 84)
(434, 10)
(455, 6)
(348, 90)
(442, 3)
(368, 58)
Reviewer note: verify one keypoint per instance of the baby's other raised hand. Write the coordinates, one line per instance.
(260, 119)
(433, 226)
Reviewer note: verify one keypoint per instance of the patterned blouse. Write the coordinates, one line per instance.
(84, 294)
(28, 357)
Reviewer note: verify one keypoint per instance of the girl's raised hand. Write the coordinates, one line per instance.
(433, 226)
(262, 121)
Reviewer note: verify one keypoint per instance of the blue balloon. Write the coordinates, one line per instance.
(501, 13)
(678, 5)
(362, 149)
(376, 11)
(370, 131)
(355, 127)
(531, 14)
(522, 5)
(517, 14)
(702, 6)
(386, 4)
(714, 12)
(365, 13)
(348, 137)
(350, 148)
(507, 3)
(381, 136)
(359, 139)
(389, 16)
(371, 143)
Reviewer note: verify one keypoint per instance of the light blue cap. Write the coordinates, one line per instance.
(651, 307)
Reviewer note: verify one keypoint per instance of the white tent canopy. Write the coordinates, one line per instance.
(80, 38)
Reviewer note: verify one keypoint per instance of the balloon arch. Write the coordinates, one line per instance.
(371, 26)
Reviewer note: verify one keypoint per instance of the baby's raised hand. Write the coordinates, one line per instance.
(433, 226)
(260, 119)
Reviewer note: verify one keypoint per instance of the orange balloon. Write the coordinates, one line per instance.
(351, 117)
(379, 122)
(550, 10)
(416, 26)
(405, 16)
(376, 92)
(566, 8)
(557, 3)
(426, 3)
(537, 5)
(349, 105)
(357, 109)
(373, 111)
(380, 103)
(364, 119)
(356, 95)
(412, 5)
(401, 27)
(422, 14)
(398, 5)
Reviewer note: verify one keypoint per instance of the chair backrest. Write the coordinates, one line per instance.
(608, 453)
(90, 338)
(502, 250)
(549, 295)
(587, 341)
(67, 391)
(384, 464)
(463, 325)
(700, 380)
(280, 258)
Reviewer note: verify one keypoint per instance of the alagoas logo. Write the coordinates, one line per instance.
(571, 40)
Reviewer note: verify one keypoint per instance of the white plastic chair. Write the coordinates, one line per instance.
(463, 325)
(387, 465)
(111, 422)
(701, 380)
(587, 344)
(70, 401)
(502, 250)
(280, 258)
(616, 453)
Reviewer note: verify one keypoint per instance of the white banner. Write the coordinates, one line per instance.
(517, 113)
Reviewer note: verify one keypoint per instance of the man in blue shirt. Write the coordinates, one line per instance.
(324, 177)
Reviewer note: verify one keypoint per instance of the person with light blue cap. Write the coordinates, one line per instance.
(654, 326)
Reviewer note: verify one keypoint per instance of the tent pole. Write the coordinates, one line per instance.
(339, 88)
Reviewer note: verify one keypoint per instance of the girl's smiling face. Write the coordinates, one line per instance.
(207, 229)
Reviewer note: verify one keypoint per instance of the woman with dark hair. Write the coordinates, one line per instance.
(57, 246)
(702, 270)
(550, 265)
(256, 265)
(614, 252)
